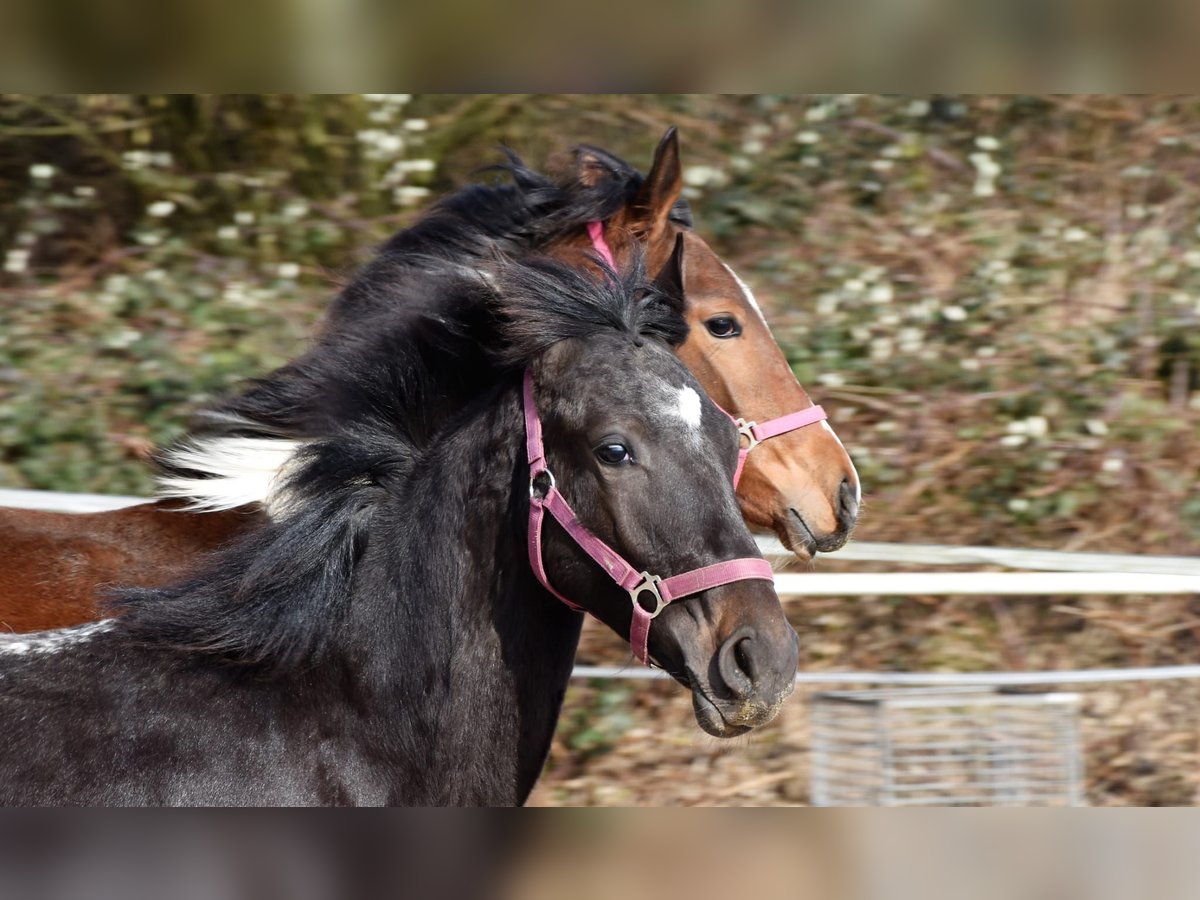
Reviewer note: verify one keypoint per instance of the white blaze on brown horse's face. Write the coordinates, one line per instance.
(802, 484)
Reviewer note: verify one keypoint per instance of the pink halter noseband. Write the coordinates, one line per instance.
(660, 591)
(753, 432)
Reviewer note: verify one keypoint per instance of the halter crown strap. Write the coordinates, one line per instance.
(660, 591)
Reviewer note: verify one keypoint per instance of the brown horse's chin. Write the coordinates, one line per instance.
(737, 720)
(794, 534)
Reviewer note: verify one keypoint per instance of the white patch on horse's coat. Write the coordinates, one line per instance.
(52, 641)
(241, 470)
(689, 407)
(749, 294)
(857, 482)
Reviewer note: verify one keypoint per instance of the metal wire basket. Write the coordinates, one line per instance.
(946, 747)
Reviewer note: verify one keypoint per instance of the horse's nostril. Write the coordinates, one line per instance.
(847, 503)
(735, 662)
(741, 654)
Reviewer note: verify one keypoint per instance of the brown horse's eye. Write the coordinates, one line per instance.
(723, 327)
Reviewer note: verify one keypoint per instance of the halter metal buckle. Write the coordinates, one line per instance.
(746, 430)
(648, 584)
(534, 491)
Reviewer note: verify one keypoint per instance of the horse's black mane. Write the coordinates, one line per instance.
(275, 600)
(437, 331)
(483, 220)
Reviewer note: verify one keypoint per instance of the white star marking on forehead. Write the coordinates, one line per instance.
(689, 407)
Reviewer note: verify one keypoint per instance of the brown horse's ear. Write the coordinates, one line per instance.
(660, 191)
(669, 282)
(593, 166)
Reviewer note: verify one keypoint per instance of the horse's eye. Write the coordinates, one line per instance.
(613, 454)
(723, 327)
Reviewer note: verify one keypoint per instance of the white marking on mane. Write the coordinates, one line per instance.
(857, 481)
(689, 409)
(53, 641)
(241, 470)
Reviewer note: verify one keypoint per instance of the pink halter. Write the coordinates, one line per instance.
(660, 591)
(753, 432)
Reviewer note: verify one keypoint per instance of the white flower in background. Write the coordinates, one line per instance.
(381, 116)
(295, 209)
(1037, 426)
(161, 209)
(701, 175)
(881, 293)
(807, 137)
(41, 171)
(892, 151)
(149, 238)
(415, 165)
(1074, 235)
(1018, 505)
(827, 304)
(954, 314)
(987, 143)
(1192, 258)
(288, 270)
(1113, 464)
(816, 114)
(416, 124)
(853, 286)
(155, 275)
(753, 147)
(16, 261)
(243, 217)
(811, 162)
(968, 364)
(227, 233)
(987, 170)
(1013, 440)
(882, 165)
(881, 348)
(1096, 427)
(390, 99)
(831, 379)
(910, 339)
(918, 109)
(408, 195)
(1136, 211)
(84, 191)
(389, 144)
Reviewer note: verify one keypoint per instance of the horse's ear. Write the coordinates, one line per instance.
(594, 166)
(669, 282)
(661, 189)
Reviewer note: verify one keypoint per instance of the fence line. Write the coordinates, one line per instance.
(856, 551)
(936, 679)
(1069, 574)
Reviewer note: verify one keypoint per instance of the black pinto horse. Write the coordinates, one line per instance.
(384, 640)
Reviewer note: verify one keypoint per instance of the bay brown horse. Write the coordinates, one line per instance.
(801, 485)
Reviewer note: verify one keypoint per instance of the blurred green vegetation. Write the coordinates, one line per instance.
(996, 297)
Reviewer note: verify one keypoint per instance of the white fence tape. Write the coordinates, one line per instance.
(935, 679)
(855, 551)
(1058, 573)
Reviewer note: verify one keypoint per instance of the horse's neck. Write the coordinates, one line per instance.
(476, 654)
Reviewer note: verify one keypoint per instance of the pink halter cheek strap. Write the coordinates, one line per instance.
(595, 231)
(661, 591)
(755, 434)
